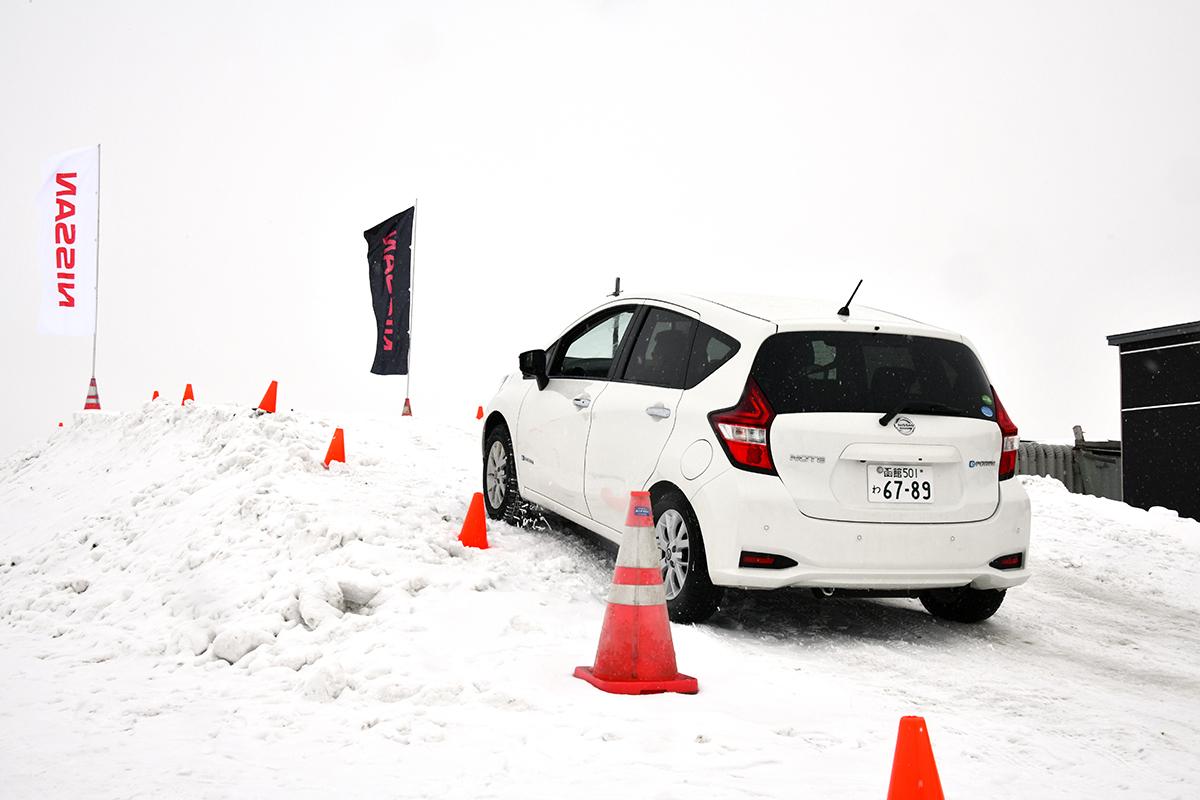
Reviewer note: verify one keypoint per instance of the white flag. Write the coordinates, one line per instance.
(66, 254)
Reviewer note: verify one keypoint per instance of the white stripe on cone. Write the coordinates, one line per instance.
(625, 595)
(639, 548)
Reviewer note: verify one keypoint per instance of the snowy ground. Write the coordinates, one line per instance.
(391, 662)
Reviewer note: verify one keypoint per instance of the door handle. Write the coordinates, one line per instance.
(582, 402)
(660, 411)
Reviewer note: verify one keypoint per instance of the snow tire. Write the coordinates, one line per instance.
(508, 505)
(698, 598)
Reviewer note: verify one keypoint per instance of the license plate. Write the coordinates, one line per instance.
(899, 483)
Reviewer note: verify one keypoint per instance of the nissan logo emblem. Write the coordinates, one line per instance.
(904, 425)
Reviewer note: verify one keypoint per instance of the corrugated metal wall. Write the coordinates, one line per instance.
(1054, 460)
(1087, 468)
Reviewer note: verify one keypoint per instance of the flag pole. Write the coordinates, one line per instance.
(412, 283)
(96, 309)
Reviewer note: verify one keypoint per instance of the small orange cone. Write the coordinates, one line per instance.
(914, 773)
(268, 401)
(479, 413)
(636, 654)
(93, 397)
(154, 396)
(474, 529)
(188, 394)
(407, 412)
(337, 448)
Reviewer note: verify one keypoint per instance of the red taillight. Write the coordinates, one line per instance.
(742, 430)
(1010, 441)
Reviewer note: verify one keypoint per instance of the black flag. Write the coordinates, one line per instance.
(389, 262)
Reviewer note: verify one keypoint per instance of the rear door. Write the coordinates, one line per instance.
(553, 425)
(634, 417)
(934, 459)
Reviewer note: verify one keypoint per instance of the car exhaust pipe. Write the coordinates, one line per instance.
(823, 592)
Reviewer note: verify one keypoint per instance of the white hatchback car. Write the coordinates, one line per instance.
(782, 444)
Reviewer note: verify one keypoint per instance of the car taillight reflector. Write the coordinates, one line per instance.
(742, 430)
(1012, 561)
(1010, 441)
(764, 560)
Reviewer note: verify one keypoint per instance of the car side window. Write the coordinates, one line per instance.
(711, 349)
(589, 350)
(660, 353)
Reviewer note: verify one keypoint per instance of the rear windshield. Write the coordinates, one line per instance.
(871, 372)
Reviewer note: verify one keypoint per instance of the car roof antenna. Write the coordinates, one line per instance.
(616, 289)
(844, 311)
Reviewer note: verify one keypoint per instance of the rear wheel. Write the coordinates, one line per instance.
(500, 495)
(691, 596)
(962, 604)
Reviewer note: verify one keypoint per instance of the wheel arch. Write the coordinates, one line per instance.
(699, 599)
(493, 421)
(661, 488)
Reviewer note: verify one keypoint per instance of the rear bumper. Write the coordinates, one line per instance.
(740, 511)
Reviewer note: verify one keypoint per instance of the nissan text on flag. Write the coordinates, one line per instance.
(783, 444)
(67, 231)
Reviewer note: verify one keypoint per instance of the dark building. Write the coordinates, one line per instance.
(1160, 417)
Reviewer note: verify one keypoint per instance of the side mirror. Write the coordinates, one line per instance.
(533, 365)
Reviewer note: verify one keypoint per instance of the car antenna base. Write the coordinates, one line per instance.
(844, 311)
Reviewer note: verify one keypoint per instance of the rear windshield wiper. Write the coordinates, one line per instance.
(914, 406)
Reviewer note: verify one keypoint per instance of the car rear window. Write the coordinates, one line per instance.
(711, 349)
(813, 371)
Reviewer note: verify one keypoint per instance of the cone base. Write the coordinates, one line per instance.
(680, 684)
(474, 541)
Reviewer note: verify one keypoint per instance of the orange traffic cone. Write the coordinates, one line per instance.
(636, 654)
(479, 413)
(188, 394)
(337, 448)
(407, 412)
(474, 529)
(914, 773)
(93, 397)
(268, 401)
(154, 396)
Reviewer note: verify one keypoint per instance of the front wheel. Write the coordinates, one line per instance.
(962, 604)
(500, 495)
(691, 596)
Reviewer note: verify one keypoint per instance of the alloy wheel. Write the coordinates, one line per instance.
(671, 532)
(496, 482)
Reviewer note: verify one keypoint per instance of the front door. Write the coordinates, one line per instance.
(553, 425)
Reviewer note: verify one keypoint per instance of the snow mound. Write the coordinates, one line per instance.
(217, 531)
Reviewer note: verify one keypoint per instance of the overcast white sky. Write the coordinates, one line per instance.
(1026, 173)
